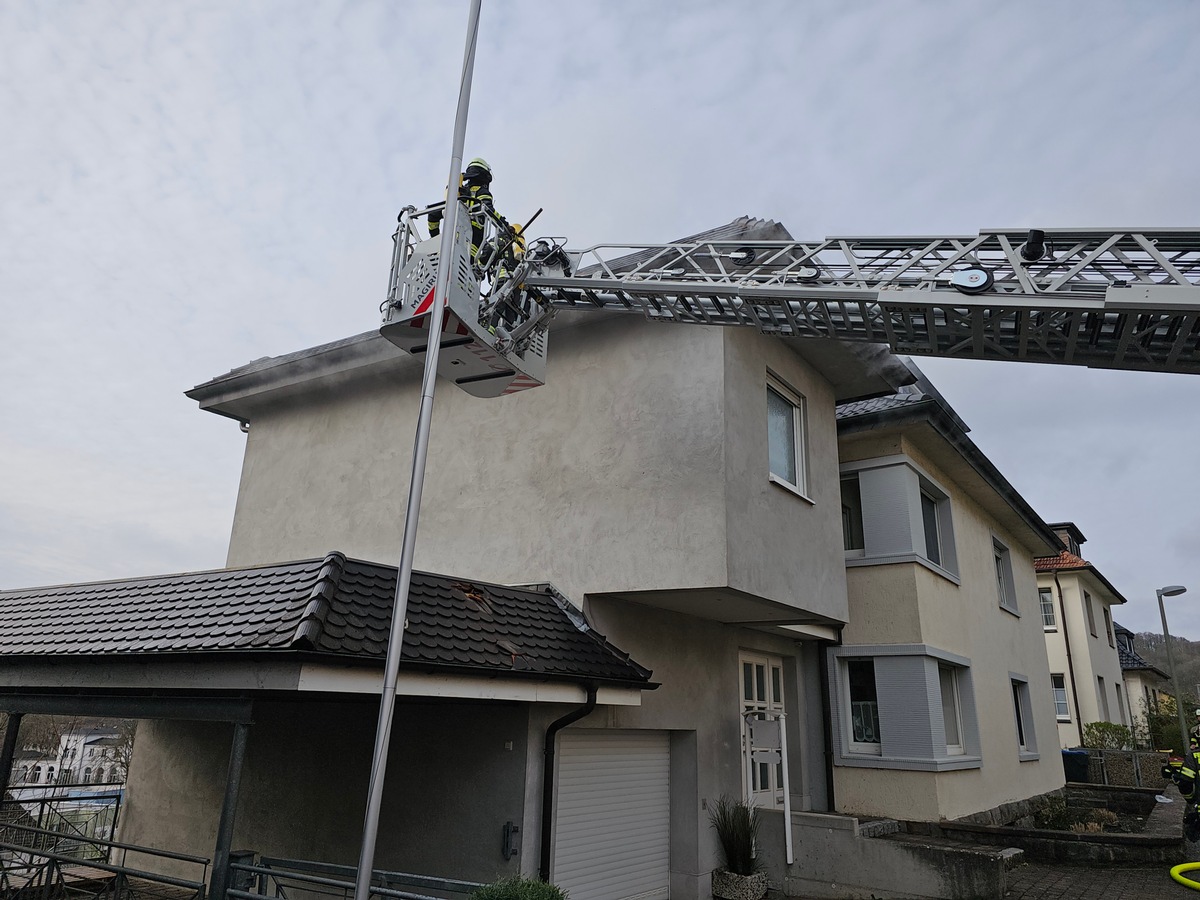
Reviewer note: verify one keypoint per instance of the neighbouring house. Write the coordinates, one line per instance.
(1076, 603)
(84, 756)
(678, 490)
(1145, 683)
(31, 767)
(942, 702)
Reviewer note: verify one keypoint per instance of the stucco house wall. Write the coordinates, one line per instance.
(647, 447)
(304, 785)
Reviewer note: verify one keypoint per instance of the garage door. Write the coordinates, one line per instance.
(612, 826)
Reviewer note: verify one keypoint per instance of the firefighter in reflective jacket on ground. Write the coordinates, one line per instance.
(475, 193)
(1187, 776)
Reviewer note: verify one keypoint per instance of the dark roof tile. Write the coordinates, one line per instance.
(331, 605)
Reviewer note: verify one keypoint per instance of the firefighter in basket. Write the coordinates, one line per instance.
(475, 194)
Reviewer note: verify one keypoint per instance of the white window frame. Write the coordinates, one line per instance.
(871, 748)
(937, 553)
(769, 796)
(1006, 587)
(1062, 708)
(1090, 613)
(1108, 625)
(1023, 715)
(947, 560)
(944, 670)
(1046, 603)
(854, 513)
(799, 405)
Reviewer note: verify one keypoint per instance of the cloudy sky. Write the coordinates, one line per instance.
(188, 186)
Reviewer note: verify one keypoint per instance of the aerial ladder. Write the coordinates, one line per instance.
(1102, 298)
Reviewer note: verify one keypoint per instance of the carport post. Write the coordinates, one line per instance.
(233, 780)
(9, 750)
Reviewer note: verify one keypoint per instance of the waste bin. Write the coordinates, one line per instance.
(1075, 765)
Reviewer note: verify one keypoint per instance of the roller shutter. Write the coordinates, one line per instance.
(612, 825)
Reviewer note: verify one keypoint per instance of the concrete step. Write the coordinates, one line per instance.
(1010, 856)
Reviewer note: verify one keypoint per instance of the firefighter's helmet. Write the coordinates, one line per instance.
(478, 169)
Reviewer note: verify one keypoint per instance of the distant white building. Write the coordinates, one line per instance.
(84, 756)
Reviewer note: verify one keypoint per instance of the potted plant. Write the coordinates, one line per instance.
(741, 878)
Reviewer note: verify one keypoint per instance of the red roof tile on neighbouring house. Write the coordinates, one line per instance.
(1064, 560)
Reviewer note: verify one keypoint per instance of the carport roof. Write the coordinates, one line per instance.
(335, 607)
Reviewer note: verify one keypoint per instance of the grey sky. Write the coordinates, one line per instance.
(188, 186)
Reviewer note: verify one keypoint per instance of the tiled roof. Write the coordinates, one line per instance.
(905, 397)
(1064, 560)
(1131, 660)
(333, 605)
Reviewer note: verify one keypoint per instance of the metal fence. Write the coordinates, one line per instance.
(294, 879)
(72, 821)
(1126, 768)
(33, 868)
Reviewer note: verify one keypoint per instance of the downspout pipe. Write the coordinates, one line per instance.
(1062, 617)
(548, 776)
(827, 715)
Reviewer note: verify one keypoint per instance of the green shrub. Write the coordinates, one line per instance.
(736, 825)
(1054, 815)
(517, 888)
(1107, 736)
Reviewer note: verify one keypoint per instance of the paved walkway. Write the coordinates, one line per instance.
(1038, 881)
(1046, 881)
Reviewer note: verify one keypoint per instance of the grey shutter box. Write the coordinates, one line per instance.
(612, 823)
(906, 699)
(888, 498)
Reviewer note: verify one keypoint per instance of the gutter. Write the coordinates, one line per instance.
(548, 776)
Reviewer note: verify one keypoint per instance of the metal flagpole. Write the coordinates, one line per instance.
(387, 702)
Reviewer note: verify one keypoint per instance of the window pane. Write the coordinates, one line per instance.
(781, 436)
(852, 520)
(760, 682)
(1047, 602)
(950, 706)
(1016, 692)
(747, 681)
(1060, 696)
(929, 515)
(864, 702)
(776, 685)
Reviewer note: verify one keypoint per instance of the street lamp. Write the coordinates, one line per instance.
(1174, 590)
